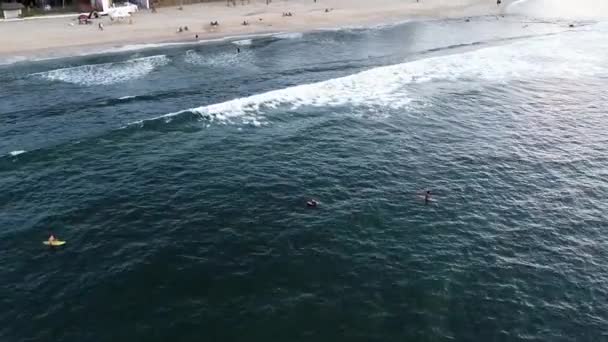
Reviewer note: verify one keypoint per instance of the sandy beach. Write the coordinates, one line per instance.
(58, 37)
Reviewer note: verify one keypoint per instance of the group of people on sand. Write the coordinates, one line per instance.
(287, 14)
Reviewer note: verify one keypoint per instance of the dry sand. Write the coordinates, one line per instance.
(63, 36)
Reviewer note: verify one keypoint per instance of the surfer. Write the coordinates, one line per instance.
(53, 242)
(238, 50)
(427, 197)
(312, 203)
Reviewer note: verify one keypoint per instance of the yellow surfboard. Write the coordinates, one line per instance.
(54, 243)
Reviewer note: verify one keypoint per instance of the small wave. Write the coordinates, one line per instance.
(106, 73)
(221, 59)
(128, 97)
(16, 153)
(291, 35)
(356, 28)
(243, 42)
(139, 47)
(12, 60)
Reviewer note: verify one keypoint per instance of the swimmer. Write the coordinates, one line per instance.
(312, 203)
(427, 197)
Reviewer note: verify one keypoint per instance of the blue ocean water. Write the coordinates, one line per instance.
(179, 177)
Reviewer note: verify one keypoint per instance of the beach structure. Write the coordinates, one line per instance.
(120, 8)
(11, 10)
(131, 6)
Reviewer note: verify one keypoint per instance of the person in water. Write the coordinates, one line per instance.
(427, 197)
(52, 239)
(312, 203)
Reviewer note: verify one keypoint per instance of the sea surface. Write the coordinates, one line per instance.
(179, 175)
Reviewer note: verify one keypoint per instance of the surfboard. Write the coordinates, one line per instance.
(54, 243)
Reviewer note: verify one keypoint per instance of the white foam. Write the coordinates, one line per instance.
(16, 153)
(244, 42)
(106, 73)
(127, 97)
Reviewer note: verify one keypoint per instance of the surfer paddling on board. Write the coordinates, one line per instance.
(312, 203)
(51, 239)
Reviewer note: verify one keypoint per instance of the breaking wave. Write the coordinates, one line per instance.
(388, 87)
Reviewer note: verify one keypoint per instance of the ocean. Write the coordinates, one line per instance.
(179, 175)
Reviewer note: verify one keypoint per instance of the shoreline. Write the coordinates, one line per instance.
(54, 38)
(95, 49)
